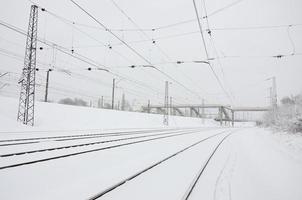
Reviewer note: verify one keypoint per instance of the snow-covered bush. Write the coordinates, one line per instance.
(75, 101)
(287, 117)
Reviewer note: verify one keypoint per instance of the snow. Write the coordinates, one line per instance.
(253, 163)
(253, 167)
(82, 176)
(59, 118)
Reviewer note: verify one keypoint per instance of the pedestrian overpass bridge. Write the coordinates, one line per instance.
(221, 113)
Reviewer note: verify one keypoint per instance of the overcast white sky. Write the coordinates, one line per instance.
(243, 77)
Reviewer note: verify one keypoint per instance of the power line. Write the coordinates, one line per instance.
(68, 71)
(195, 32)
(206, 51)
(291, 40)
(72, 24)
(214, 46)
(193, 20)
(113, 34)
(131, 48)
(153, 41)
(76, 56)
(201, 30)
(223, 8)
(257, 27)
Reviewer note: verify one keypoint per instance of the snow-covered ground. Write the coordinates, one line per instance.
(59, 162)
(58, 117)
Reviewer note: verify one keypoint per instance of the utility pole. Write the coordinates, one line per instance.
(113, 88)
(102, 102)
(166, 103)
(202, 111)
(123, 102)
(149, 106)
(27, 81)
(171, 113)
(47, 83)
(274, 93)
(271, 97)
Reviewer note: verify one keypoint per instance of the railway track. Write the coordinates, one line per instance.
(203, 167)
(88, 143)
(189, 191)
(154, 137)
(22, 141)
(79, 136)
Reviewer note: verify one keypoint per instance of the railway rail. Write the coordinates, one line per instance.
(157, 137)
(189, 191)
(83, 135)
(88, 144)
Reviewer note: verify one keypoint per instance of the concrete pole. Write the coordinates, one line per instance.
(202, 110)
(166, 103)
(170, 106)
(113, 88)
(46, 86)
(233, 118)
(148, 106)
(123, 102)
(274, 93)
(102, 102)
(220, 115)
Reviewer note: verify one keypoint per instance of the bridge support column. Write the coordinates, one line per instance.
(232, 118)
(220, 115)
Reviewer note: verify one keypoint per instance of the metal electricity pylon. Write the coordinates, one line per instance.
(27, 81)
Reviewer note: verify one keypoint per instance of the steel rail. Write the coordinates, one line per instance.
(81, 135)
(113, 187)
(92, 150)
(88, 144)
(195, 180)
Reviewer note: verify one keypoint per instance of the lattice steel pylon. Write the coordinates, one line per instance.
(27, 81)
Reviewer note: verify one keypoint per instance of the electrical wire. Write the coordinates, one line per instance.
(193, 20)
(223, 8)
(206, 51)
(291, 41)
(215, 49)
(78, 56)
(157, 46)
(131, 48)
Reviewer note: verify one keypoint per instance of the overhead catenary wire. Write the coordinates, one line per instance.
(68, 71)
(77, 56)
(131, 48)
(291, 40)
(214, 47)
(206, 51)
(74, 74)
(193, 20)
(106, 68)
(154, 43)
(72, 24)
(197, 32)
